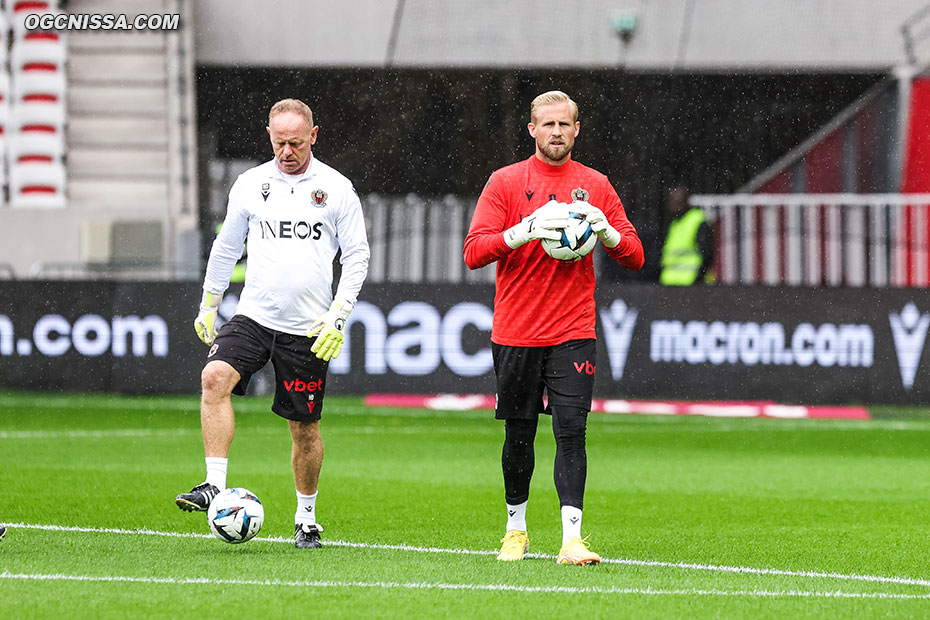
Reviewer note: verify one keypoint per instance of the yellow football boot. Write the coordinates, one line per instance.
(576, 551)
(515, 544)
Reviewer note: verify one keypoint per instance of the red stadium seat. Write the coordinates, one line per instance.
(17, 10)
(35, 147)
(38, 55)
(38, 87)
(37, 185)
(17, 19)
(44, 118)
(31, 6)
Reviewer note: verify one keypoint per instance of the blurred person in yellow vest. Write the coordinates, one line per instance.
(688, 253)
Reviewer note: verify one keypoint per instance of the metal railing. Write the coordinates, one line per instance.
(412, 238)
(833, 240)
(420, 239)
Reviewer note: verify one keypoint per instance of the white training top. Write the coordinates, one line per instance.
(294, 225)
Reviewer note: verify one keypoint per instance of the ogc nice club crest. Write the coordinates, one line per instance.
(319, 198)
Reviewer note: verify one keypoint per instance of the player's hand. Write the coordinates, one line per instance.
(608, 235)
(328, 329)
(543, 223)
(205, 323)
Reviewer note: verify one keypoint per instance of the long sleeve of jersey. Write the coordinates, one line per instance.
(485, 241)
(350, 231)
(629, 252)
(228, 245)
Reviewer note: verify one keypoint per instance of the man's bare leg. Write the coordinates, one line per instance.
(218, 424)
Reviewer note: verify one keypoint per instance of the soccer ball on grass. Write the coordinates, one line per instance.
(235, 515)
(576, 242)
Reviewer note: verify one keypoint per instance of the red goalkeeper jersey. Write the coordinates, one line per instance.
(541, 301)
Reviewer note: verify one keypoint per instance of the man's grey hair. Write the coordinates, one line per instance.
(292, 105)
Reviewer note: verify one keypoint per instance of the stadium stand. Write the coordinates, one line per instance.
(98, 123)
(848, 207)
(33, 94)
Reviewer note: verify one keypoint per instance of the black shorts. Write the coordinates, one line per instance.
(299, 387)
(565, 371)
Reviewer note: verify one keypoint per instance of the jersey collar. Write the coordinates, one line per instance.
(549, 170)
(292, 179)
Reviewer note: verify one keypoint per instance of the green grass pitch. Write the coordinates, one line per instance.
(694, 517)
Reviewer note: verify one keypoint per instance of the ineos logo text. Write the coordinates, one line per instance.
(286, 229)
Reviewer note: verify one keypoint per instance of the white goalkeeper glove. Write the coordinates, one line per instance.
(544, 223)
(205, 323)
(608, 235)
(328, 329)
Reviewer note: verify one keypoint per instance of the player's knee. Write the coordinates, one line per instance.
(518, 431)
(569, 423)
(306, 435)
(218, 379)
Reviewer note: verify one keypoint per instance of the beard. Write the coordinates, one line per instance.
(556, 153)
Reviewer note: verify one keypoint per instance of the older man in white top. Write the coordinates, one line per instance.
(296, 213)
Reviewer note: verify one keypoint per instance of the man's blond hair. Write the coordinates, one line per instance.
(292, 105)
(549, 98)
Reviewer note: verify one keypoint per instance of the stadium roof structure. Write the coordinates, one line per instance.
(659, 35)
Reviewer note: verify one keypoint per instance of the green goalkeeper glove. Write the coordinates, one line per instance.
(328, 330)
(205, 323)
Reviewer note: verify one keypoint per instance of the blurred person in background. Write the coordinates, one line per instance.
(542, 337)
(296, 213)
(688, 253)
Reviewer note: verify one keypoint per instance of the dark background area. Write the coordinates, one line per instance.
(437, 132)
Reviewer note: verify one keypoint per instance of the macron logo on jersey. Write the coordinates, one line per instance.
(286, 229)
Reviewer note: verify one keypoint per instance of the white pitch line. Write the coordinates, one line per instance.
(490, 587)
(97, 434)
(248, 405)
(42, 435)
(631, 422)
(745, 570)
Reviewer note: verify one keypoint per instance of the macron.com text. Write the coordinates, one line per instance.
(101, 21)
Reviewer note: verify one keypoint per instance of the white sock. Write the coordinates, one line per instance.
(571, 523)
(516, 517)
(306, 508)
(216, 471)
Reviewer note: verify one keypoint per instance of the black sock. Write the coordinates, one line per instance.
(571, 459)
(518, 458)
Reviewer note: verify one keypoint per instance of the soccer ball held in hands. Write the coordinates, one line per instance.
(576, 242)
